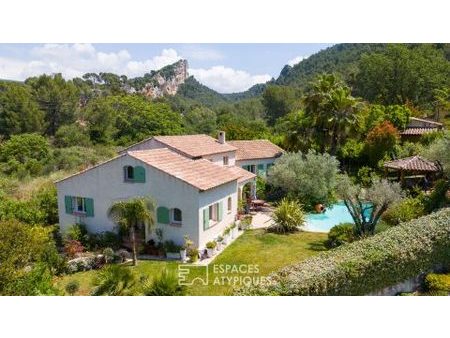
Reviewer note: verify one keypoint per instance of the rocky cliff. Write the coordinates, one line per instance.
(165, 81)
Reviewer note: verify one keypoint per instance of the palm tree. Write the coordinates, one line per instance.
(332, 109)
(132, 215)
(114, 280)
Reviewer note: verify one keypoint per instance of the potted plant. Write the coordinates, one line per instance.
(172, 250)
(210, 246)
(226, 236)
(234, 230)
(193, 254)
(219, 241)
(188, 243)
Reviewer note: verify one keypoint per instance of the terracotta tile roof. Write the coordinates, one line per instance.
(201, 174)
(195, 145)
(418, 131)
(255, 149)
(425, 122)
(413, 163)
(245, 175)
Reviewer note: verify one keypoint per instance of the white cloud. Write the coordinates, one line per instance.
(227, 80)
(74, 60)
(296, 60)
(202, 53)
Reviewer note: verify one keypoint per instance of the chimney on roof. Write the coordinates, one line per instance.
(221, 137)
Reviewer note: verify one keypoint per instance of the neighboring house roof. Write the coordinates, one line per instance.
(255, 149)
(245, 175)
(413, 121)
(201, 174)
(413, 163)
(418, 131)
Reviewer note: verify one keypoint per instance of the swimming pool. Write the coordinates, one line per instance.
(335, 214)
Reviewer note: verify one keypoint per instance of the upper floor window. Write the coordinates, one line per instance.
(177, 215)
(134, 174)
(225, 160)
(129, 173)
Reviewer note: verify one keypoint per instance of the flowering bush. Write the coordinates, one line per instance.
(73, 247)
(367, 265)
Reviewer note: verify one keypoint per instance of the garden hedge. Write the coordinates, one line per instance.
(368, 265)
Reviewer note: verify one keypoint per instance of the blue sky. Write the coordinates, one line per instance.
(223, 67)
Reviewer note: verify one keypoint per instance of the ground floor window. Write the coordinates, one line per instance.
(229, 204)
(78, 204)
(212, 214)
(177, 216)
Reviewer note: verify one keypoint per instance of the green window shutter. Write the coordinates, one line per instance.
(89, 205)
(261, 171)
(220, 211)
(205, 218)
(139, 174)
(68, 204)
(162, 215)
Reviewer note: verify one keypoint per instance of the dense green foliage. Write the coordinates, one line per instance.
(310, 178)
(368, 265)
(166, 284)
(405, 210)
(26, 259)
(340, 234)
(114, 280)
(438, 282)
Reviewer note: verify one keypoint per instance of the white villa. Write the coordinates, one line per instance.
(194, 179)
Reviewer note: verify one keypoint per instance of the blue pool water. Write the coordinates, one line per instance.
(335, 214)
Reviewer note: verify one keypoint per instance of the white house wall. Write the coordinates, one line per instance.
(105, 184)
(206, 198)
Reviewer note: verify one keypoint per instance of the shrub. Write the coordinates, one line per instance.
(170, 246)
(437, 198)
(340, 234)
(24, 155)
(403, 211)
(78, 232)
(109, 255)
(123, 255)
(73, 247)
(106, 239)
(166, 284)
(211, 245)
(246, 223)
(368, 265)
(193, 254)
(71, 135)
(437, 282)
(72, 287)
(114, 280)
(288, 216)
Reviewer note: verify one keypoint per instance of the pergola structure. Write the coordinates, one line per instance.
(414, 165)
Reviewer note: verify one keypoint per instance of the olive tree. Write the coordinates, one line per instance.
(310, 178)
(366, 205)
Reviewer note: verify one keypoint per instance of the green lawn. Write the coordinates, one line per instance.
(255, 250)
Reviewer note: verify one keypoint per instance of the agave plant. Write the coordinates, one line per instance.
(288, 216)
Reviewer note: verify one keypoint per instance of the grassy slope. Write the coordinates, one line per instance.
(269, 251)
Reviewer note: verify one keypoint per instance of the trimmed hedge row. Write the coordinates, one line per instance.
(367, 265)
